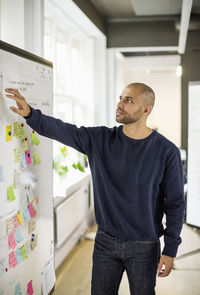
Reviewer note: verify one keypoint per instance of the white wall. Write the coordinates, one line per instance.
(160, 74)
(21, 24)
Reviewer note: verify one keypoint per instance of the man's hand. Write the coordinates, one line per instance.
(165, 266)
(23, 108)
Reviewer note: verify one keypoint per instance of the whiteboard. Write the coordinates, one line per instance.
(193, 169)
(27, 245)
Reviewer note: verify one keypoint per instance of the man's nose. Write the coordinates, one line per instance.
(120, 105)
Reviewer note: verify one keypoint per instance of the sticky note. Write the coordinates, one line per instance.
(12, 260)
(9, 133)
(18, 290)
(18, 255)
(31, 225)
(18, 236)
(3, 230)
(1, 173)
(28, 157)
(9, 225)
(34, 138)
(26, 214)
(22, 131)
(24, 145)
(29, 192)
(23, 162)
(36, 158)
(19, 217)
(16, 130)
(3, 267)
(11, 240)
(30, 209)
(30, 288)
(15, 222)
(28, 247)
(23, 252)
(17, 155)
(10, 193)
(35, 206)
(34, 242)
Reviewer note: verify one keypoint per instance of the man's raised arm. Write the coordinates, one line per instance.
(79, 138)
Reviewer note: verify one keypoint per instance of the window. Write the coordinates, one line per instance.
(67, 47)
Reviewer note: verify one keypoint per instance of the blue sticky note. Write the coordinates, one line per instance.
(26, 214)
(18, 255)
(18, 236)
(23, 162)
(1, 173)
(18, 290)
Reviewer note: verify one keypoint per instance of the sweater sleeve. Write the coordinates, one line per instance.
(172, 188)
(66, 133)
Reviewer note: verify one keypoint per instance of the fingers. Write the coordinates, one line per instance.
(165, 266)
(23, 108)
(17, 111)
(16, 95)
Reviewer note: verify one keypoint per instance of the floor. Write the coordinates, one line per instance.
(74, 275)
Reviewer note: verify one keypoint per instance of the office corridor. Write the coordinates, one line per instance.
(74, 275)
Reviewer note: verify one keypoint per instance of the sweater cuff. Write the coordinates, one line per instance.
(170, 249)
(32, 117)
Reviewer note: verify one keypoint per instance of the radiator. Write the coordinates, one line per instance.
(70, 213)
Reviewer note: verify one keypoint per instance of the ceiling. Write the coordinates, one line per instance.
(124, 9)
(150, 23)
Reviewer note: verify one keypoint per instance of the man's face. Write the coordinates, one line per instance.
(130, 106)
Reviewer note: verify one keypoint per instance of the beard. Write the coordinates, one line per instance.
(128, 119)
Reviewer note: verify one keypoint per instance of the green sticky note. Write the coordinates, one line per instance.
(24, 146)
(34, 139)
(23, 252)
(10, 193)
(22, 131)
(17, 155)
(36, 158)
(16, 129)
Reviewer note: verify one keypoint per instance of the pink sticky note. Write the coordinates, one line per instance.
(30, 209)
(15, 222)
(12, 259)
(11, 240)
(30, 288)
(28, 157)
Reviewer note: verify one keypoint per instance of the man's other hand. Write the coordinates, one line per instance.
(165, 266)
(23, 108)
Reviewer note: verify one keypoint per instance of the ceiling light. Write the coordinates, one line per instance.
(179, 71)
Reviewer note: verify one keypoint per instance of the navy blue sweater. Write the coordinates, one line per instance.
(135, 181)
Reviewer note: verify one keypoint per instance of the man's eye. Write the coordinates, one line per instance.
(129, 100)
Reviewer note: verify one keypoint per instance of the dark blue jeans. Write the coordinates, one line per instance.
(112, 256)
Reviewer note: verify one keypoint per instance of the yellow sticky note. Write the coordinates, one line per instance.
(9, 225)
(17, 155)
(16, 129)
(34, 138)
(19, 217)
(10, 193)
(22, 131)
(9, 133)
(24, 145)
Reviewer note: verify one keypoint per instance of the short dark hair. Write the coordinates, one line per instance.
(146, 91)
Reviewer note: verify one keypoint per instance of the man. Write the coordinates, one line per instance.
(137, 177)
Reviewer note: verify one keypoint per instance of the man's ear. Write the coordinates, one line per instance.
(148, 109)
